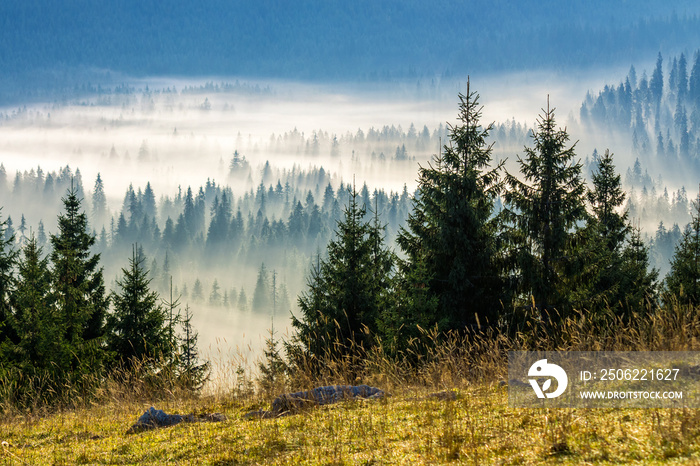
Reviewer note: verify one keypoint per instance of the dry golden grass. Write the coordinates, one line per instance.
(408, 427)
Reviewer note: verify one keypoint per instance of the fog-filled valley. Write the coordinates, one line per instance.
(229, 186)
(222, 139)
(222, 185)
(397, 223)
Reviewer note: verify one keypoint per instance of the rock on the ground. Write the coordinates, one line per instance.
(154, 418)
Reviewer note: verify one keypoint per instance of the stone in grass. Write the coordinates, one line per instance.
(154, 418)
(289, 403)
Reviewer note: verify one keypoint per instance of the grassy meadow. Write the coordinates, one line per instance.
(469, 422)
(408, 427)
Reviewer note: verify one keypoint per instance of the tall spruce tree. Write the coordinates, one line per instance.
(683, 281)
(40, 333)
(613, 267)
(345, 295)
(138, 327)
(593, 278)
(8, 260)
(450, 242)
(542, 211)
(605, 199)
(638, 282)
(78, 290)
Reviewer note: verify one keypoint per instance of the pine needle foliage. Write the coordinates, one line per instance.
(451, 243)
(683, 281)
(347, 291)
(34, 321)
(78, 291)
(542, 211)
(139, 325)
(611, 271)
(8, 260)
(192, 372)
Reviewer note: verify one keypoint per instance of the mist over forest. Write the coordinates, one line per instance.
(227, 157)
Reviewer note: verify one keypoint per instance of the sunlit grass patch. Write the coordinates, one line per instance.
(409, 427)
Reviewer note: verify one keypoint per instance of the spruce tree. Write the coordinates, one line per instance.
(342, 305)
(242, 303)
(272, 367)
(656, 83)
(215, 295)
(192, 372)
(451, 235)
(593, 273)
(8, 259)
(605, 198)
(78, 290)
(638, 282)
(22, 229)
(197, 291)
(683, 281)
(415, 306)
(99, 202)
(613, 270)
(40, 333)
(261, 295)
(138, 326)
(542, 212)
(217, 244)
(41, 235)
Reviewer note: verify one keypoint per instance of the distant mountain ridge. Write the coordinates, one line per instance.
(333, 40)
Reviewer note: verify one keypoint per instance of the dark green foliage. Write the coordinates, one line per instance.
(149, 201)
(347, 291)
(37, 354)
(605, 198)
(542, 211)
(192, 372)
(272, 367)
(637, 283)
(683, 281)
(218, 233)
(612, 270)
(39, 332)
(78, 291)
(414, 307)
(451, 239)
(594, 273)
(8, 258)
(138, 327)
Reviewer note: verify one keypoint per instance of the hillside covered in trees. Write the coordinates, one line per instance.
(656, 113)
(49, 46)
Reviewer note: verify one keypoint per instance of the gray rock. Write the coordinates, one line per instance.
(289, 403)
(154, 418)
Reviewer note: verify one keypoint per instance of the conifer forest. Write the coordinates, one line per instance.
(167, 195)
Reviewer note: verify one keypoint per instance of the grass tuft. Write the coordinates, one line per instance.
(446, 407)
